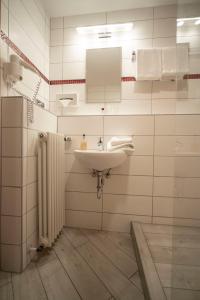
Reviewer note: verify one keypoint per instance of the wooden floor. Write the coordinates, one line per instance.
(175, 254)
(84, 264)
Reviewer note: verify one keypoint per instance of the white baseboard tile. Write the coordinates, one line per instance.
(83, 219)
(121, 223)
(176, 221)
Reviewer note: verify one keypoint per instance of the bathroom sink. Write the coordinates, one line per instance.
(100, 160)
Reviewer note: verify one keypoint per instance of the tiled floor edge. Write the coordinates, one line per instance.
(139, 262)
(150, 281)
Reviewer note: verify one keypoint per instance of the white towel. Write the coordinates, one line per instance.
(148, 64)
(182, 60)
(125, 145)
(122, 140)
(127, 149)
(175, 62)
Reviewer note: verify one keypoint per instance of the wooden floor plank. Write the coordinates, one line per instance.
(178, 256)
(5, 278)
(55, 280)
(152, 285)
(6, 292)
(167, 240)
(86, 282)
(120, 287)
(161, 254)
(179, 276)
(27, 285)
(178, 294)
(123, 241)
(121, 260)
(136, 281)
(75, 236)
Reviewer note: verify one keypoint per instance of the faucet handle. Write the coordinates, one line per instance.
(100, 144)
(100, 140)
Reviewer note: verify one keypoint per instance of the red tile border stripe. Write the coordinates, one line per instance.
(79, 81)
(67, 81)
(192, 76)
(6, 39)
(128, 78)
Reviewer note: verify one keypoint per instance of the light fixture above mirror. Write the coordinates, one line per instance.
(105, 31)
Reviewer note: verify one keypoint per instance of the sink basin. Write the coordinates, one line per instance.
(100, 160)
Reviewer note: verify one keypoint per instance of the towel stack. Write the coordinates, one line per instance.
(148, 64)
(123, 143)
(175, 62)
(168, 63)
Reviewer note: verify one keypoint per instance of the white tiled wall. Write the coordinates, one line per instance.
(19, 180)
(28, 27)
(158, 183)
(153, 27)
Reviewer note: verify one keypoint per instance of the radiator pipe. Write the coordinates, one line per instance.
(44, 135)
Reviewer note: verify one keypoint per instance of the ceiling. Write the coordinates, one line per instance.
(77, 7)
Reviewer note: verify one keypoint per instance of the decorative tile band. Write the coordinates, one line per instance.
(67, 81)
(6, 39)
(78, 81)
(192, 76)
(128, 78)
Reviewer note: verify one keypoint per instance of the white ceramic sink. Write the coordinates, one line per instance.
(100, 160)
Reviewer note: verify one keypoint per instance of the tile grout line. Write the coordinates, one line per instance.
(12, 285)
(153, 179)
(122, 249)
(96, 275)
(148, 246)
(107, 258)
(113, 265)
(41, 281)
(152, 86)
(67, 271)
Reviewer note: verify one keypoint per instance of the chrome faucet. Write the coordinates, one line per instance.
(100, 144)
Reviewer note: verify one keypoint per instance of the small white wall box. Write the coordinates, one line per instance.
(65, 100)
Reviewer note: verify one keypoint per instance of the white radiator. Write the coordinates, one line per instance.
(51, 190)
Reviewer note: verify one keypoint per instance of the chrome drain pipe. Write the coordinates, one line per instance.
(100, 180)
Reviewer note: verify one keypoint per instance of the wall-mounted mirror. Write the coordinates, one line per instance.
(103, 74)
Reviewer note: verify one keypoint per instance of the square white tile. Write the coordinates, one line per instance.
(11, 260)
(11, 201)
(82, 219)
(11, 228)
(12, 142)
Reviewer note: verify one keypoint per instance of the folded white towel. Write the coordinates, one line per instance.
(182, 59)
(128, 151)
(148, 64)
(118, 141)
(126, 145)
(168, 63)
